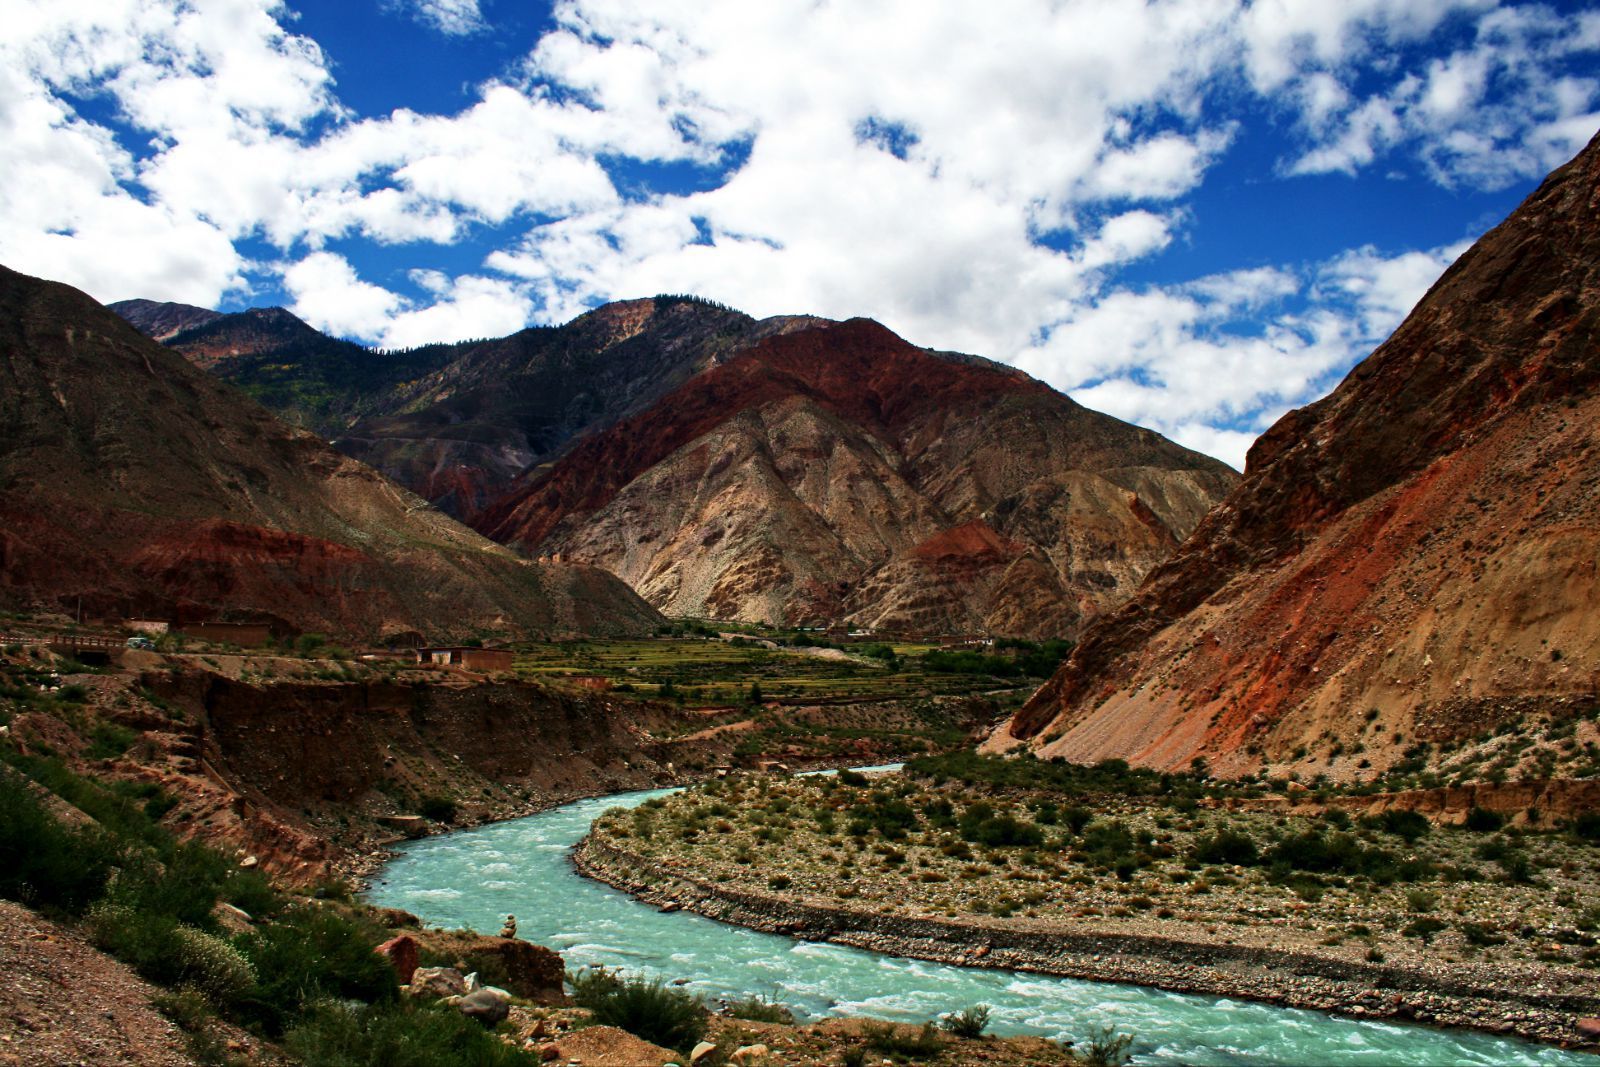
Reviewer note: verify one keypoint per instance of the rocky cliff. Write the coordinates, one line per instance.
(833, 472)
(1414, 558)
(132, 483)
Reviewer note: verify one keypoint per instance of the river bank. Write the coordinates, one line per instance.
(1255, 973)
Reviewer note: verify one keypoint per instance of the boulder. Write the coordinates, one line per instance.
(550, 1053)
(701, 1051)
(749, 1054)
(1589, 1028)
(486, 1004)
(402, 954)
(437, 982)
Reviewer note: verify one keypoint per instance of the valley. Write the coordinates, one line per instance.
(316, 657)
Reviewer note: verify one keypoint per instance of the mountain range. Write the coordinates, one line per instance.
(133, 483)
(790, 470)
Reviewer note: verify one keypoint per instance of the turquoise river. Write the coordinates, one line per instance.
(473, 878)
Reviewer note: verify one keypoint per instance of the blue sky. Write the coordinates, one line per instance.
(1193, 214)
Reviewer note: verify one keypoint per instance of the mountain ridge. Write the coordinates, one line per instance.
(1421, 542)
(135, 481)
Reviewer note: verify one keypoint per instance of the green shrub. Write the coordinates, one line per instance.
(398, 1035)
(759, 1009)
(108, 741)
(212, 966)
(645, 1007)
(1424, 928)
(308, 954)
(891, 1040)
(968, 1022)
(1409, 826)
(437, 809)
(1484, 821)
(1105, 1048)
(1587, 826)
(145, 941)
(1228, 847)
(47, 865)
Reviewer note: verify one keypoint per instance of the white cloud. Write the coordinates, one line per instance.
(327, 294)
(456, 18)
(976, 179)
(1537, 118)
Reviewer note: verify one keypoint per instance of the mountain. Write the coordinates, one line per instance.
(1411, 559)
(163, 320)
(307, 378)
(139, 484)
(834, 472)
(462, 435)
(892, 529)
(459, 422)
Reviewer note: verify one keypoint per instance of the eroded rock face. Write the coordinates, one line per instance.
(834, 472)
(1421, 545)
(141, 486)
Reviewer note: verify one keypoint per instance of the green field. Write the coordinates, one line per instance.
(712, 672)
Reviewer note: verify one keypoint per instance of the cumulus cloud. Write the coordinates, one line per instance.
(975, 179)
(328, 294)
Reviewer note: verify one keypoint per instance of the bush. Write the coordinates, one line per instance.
(1425, 928)
(980, 825)
(1409, 826)
(1484, 821)
(108, 741)
(437, 809)
(893, 1041)
(395, 1035)
(645, 1007)
(968, 1022)
(44, 864)
(1106, 1048)
(1226, 846)
(758, 1009)
(308, 954)
(211, 966)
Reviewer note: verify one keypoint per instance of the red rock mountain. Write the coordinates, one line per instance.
(144, 486)
(1421, 547)
(833, 472)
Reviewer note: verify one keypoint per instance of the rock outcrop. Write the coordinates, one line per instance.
(134, 484)
(834, 472)
(1416, 557)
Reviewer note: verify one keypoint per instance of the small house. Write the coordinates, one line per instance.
(469, 657)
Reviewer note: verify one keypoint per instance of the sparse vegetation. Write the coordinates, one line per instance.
(645, 1007)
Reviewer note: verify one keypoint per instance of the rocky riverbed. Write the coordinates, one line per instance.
(1401, 950)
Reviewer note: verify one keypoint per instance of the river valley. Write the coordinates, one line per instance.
(473, 878)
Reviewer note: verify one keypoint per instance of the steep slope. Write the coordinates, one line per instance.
(307, 378)
(161, 320)
(461, 435)
(1411, 559)
(835, 472)
(139, 484)
(457, 423)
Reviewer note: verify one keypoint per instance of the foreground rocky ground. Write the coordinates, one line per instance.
(1492, 928)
